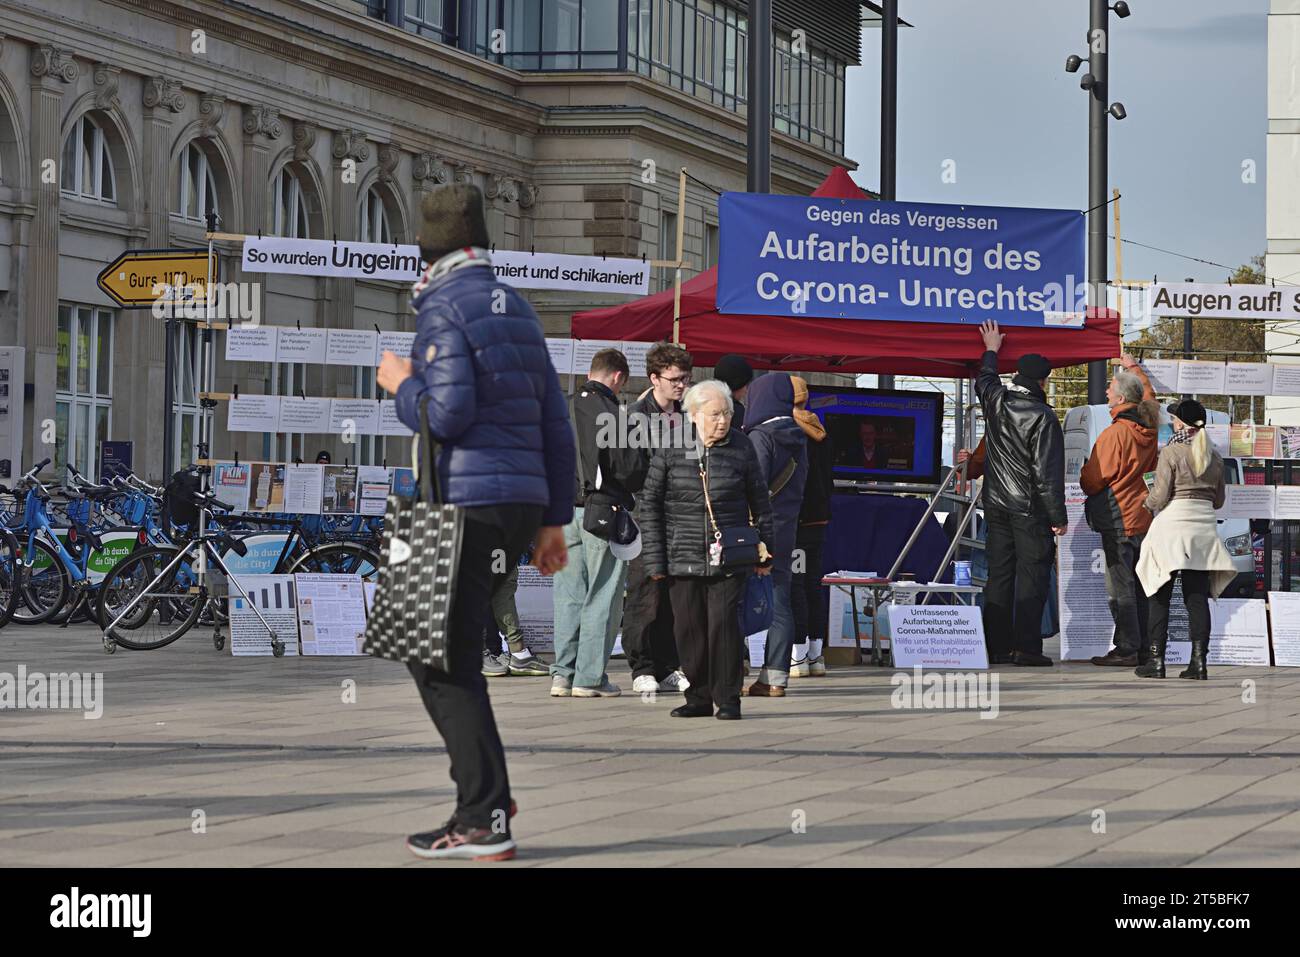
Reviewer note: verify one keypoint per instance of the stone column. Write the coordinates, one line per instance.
(162, 99)
(348, 150)
(51, 69)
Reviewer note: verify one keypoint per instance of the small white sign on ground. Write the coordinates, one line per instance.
(1284, 609)
(273, 596)
(938, 636)
(1238, 635)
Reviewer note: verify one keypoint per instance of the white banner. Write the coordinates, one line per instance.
(523, 270)
(1223, 300)
(1086, 623)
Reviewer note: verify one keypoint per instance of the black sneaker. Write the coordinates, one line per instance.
(456, 843)
(531, 666)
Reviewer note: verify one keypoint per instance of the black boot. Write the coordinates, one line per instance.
(1196, 666)
(1153, 664)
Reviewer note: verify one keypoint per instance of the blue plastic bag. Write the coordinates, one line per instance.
(756, 607)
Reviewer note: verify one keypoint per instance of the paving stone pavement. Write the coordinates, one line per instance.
(1082, 766)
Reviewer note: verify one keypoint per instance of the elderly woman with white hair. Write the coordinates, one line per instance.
(704, 512)
(1184, 539)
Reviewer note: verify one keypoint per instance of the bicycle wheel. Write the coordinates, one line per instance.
(44, 587)
(9, 596)
(338, 558)
(169, 604)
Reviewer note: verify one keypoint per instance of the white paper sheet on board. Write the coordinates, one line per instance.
(250, 343)
(350, 347)
(304, 487)
(301, 345)
(253, 413)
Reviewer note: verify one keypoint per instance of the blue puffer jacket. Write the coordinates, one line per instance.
(495, 400)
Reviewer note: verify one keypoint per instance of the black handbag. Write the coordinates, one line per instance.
(734, 546)
(419, 555)
(605, 513)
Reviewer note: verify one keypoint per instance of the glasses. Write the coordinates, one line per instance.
(716, 416)
(675, 380)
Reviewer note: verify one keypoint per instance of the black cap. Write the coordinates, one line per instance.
(1189, 411)
(1034, 366)
(452, 217)
(733, 370)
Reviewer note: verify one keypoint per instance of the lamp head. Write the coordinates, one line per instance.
(1087, 81)
(1072, 63)
(1121, 9)
(1117, 110)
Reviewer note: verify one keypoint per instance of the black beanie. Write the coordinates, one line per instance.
(733, 370)
(1034, 366)
(451, 217)
(1189, 411)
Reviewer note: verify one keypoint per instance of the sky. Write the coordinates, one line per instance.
(983, 83)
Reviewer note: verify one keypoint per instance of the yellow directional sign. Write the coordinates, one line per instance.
(141, 277)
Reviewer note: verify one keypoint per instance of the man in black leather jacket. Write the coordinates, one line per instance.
(1024, 502)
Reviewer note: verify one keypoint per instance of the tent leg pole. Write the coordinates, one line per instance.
(677, 275)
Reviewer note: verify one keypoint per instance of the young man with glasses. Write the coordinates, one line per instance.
(647, 614)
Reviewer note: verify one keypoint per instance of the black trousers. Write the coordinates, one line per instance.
(458, 700)
(1020, 549)
(708, 635)
(1196, 596)
(648, 625)
(807, 596)
(1128, 602)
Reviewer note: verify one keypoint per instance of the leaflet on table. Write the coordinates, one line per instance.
(230, 483)
(251, 343)
(304, 487)
(340, 491)
(404, 483)
(1248, 501)
(1220, 436)
(273, 596)
(389, 423)
(331, 614)
(354, 417)
(253, 413)
(1249, 378)
(304, 414)
(266, 484)
(1251, 441)
(398, 343)
(350, 347)
(1284, 609)
(301, 345)
(373, 482)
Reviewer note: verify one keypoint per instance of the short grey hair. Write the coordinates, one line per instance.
(1129, 386)
(699, 393)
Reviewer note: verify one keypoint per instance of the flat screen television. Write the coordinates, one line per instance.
(881, 435)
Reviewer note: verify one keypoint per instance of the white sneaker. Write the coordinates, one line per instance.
(607, 690)
(561, 687)
(675, 681)
(816, 667)
(800, 668)
(644, 684)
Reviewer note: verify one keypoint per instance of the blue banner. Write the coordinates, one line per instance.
(918, 262)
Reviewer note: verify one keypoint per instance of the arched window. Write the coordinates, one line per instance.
(290, 207)
(373, 227)
(87, 167)
(198, 187)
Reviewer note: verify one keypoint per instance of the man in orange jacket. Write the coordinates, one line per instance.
(1114, 480)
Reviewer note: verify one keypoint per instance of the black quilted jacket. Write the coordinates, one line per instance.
(675, 529)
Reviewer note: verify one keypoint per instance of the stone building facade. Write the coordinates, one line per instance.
(122, 122)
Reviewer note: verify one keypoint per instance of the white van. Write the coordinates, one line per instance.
(1085, 423)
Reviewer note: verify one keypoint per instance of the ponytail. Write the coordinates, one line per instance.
(1201, 453)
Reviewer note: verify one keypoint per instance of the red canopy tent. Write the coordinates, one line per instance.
(812, 344)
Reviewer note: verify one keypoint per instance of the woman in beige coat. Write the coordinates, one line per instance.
(1184, 539)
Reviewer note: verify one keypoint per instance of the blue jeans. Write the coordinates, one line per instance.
(588, 606)
(780, 637)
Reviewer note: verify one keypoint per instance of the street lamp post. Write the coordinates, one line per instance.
(1096, 84)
